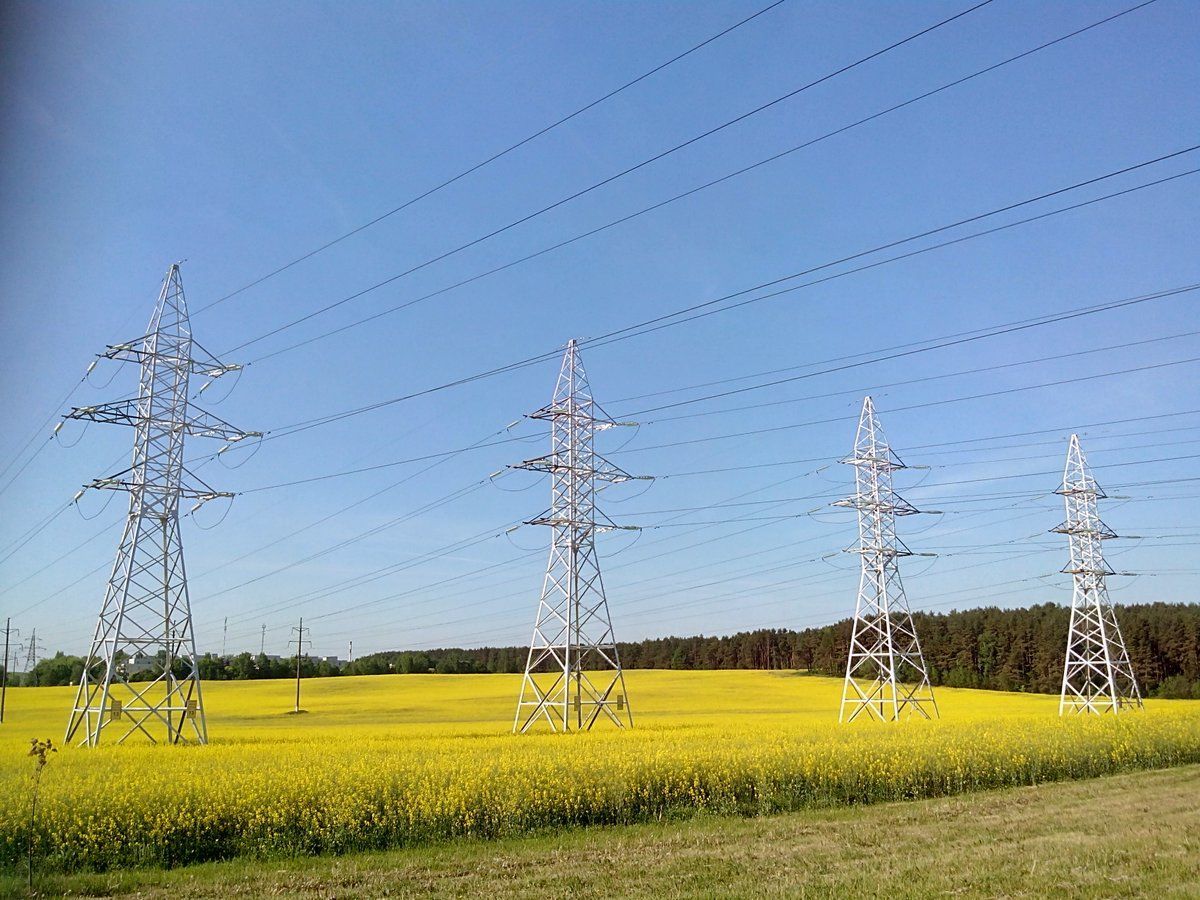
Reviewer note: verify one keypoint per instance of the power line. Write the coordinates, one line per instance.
(443, 454)
(33, 532)
(357, 581)
(663, 203)
(693, 313)
(924, 405)
(626, 171)
(628, 332)
(493, 158)
(54, 562)
(441, 458)
(976, 371)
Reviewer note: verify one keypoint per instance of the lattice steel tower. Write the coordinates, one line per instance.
(1097, 674)
(573, 673)
(141, 675)
(886, 675)
(33, 651)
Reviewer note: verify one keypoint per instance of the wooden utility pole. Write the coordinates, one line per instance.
(299, 631)
(8, 630)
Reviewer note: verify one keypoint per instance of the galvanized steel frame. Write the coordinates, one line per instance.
(886, 676)
(146, 615)
(1097, 673)
(573, 675)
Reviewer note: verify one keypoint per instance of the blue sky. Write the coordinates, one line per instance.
(239, 136)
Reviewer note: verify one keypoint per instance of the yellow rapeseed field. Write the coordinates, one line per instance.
(388, 761)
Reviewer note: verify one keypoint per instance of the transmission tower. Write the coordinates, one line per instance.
(1097, 674)
(141, 675)
(886, 675)
(573, 674)
(33, 650)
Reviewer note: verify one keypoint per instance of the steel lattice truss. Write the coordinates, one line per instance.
(885, 672)
(141, 675)
(1097, 674)
(573, 674)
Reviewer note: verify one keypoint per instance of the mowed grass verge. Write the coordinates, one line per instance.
(402, 761)
(1119, 836)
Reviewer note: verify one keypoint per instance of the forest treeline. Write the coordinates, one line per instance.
(990, 648)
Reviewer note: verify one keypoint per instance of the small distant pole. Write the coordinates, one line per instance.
(8, 629)
(224, 636)
(262, 647)
(299, 631)
(350, 653)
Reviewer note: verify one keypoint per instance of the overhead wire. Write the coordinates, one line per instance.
(627, 171)
(923, 405)
(703, 309)
(562, 120)
(663, 203)
(910, 381)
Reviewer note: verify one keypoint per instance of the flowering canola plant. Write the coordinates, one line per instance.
(387, 761)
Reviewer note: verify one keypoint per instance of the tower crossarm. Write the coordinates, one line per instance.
(1098, 530)
(558, 464)
(129, 411)
(893, 506)
(198, 362)
(126, 480)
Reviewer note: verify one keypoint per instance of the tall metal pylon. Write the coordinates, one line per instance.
(141, 674)
(573, 673)
(1097, 674)
(33, 651)
(886, 675)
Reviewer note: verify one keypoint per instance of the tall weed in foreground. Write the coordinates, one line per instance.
(40, 751)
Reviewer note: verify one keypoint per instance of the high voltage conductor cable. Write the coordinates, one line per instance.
(357, 581)
(704, 309)
(976, 371)
(985, 478)
(387, 465)
(1168, 415)
(429, 556)
(62, 590)
(421, 588)
(977, 480)
(103, 531)
(371, 576)
(1034, 320)
(830, 459)
(54, 413)
(1040, 456)
(377, 493)
(675, 198)
(33, 532)
(815, 459)
(924, 405)
(493, 158)
(629, 170)
(433, 504)
(405, 517)
(663, 203)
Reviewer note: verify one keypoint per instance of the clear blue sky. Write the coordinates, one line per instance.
(238, 136)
